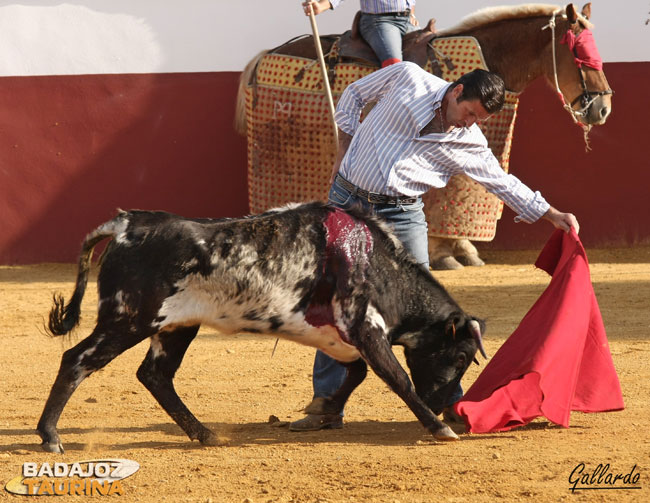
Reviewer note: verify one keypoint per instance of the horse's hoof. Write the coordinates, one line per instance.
(446, 434)
(447, 263)
(55, 447)
(470, 260)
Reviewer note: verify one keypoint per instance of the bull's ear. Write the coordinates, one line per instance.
(586, 10)
(450, 326)
(476, 361)
(571, 14)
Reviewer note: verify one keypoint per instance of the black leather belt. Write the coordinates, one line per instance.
(374, 197)
(404, 13)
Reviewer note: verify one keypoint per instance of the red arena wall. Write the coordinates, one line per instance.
(75, 148)
(606, 188)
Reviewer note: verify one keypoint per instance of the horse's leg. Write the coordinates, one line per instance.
(356, 373)
(466, 253)
(107, 341)
(441, 255)
(157, 372)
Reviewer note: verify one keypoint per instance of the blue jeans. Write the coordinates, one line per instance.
(410, 227)
(384, 34)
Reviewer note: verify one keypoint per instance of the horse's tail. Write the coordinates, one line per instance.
(244, 80)
(63, 318)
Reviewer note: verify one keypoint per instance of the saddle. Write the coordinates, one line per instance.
(352, 46)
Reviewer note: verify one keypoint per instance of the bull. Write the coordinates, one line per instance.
(335, 280)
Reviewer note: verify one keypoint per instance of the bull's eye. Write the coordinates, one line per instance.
(461, 361)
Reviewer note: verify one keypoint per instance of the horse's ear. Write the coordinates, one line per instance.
(571, 14)
(586, 10)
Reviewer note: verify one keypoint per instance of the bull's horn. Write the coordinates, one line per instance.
(475, 329)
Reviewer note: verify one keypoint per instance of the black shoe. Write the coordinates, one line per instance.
(449, 416)
(315, 422)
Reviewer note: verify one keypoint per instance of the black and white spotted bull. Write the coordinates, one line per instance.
(334, 280)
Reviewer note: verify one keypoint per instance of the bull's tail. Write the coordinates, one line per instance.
(64, 317)
(244, 81)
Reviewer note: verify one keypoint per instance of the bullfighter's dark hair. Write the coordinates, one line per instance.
(487, 87)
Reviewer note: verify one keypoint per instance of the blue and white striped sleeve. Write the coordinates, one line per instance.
(529, 205)
(358, 94)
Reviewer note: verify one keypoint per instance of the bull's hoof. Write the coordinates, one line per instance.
(447, 263)
(446, 434)
(321, 406)
(55, 447)
(470, 260)
(209, 438)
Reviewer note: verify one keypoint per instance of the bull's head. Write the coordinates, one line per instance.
(439, 356)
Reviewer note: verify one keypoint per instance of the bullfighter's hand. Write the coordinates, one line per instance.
(562, 220)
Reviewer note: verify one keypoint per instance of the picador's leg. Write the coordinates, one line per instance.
(97, 350)
(356, 373)
(157, 373)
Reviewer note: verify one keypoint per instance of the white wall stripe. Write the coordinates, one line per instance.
(49, 37)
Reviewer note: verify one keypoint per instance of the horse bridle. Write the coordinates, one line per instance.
(587, 97)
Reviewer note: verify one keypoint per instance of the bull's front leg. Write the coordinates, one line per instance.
(376, 350)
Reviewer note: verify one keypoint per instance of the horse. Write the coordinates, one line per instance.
(520, 43)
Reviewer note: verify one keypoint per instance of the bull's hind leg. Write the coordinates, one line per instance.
(77, 363)
(157, 373)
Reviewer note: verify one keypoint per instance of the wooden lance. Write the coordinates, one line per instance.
(321, 61)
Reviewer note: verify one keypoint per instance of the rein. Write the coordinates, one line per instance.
(587, 97)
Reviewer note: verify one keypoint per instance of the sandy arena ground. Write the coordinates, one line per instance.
(233, 384)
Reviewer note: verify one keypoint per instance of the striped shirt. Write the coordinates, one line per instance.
(387, 155)
(380, 6)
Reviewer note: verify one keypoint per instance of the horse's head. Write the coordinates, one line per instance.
(563, 51)
(579, 69)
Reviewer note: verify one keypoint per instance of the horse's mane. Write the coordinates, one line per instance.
(493, 14)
